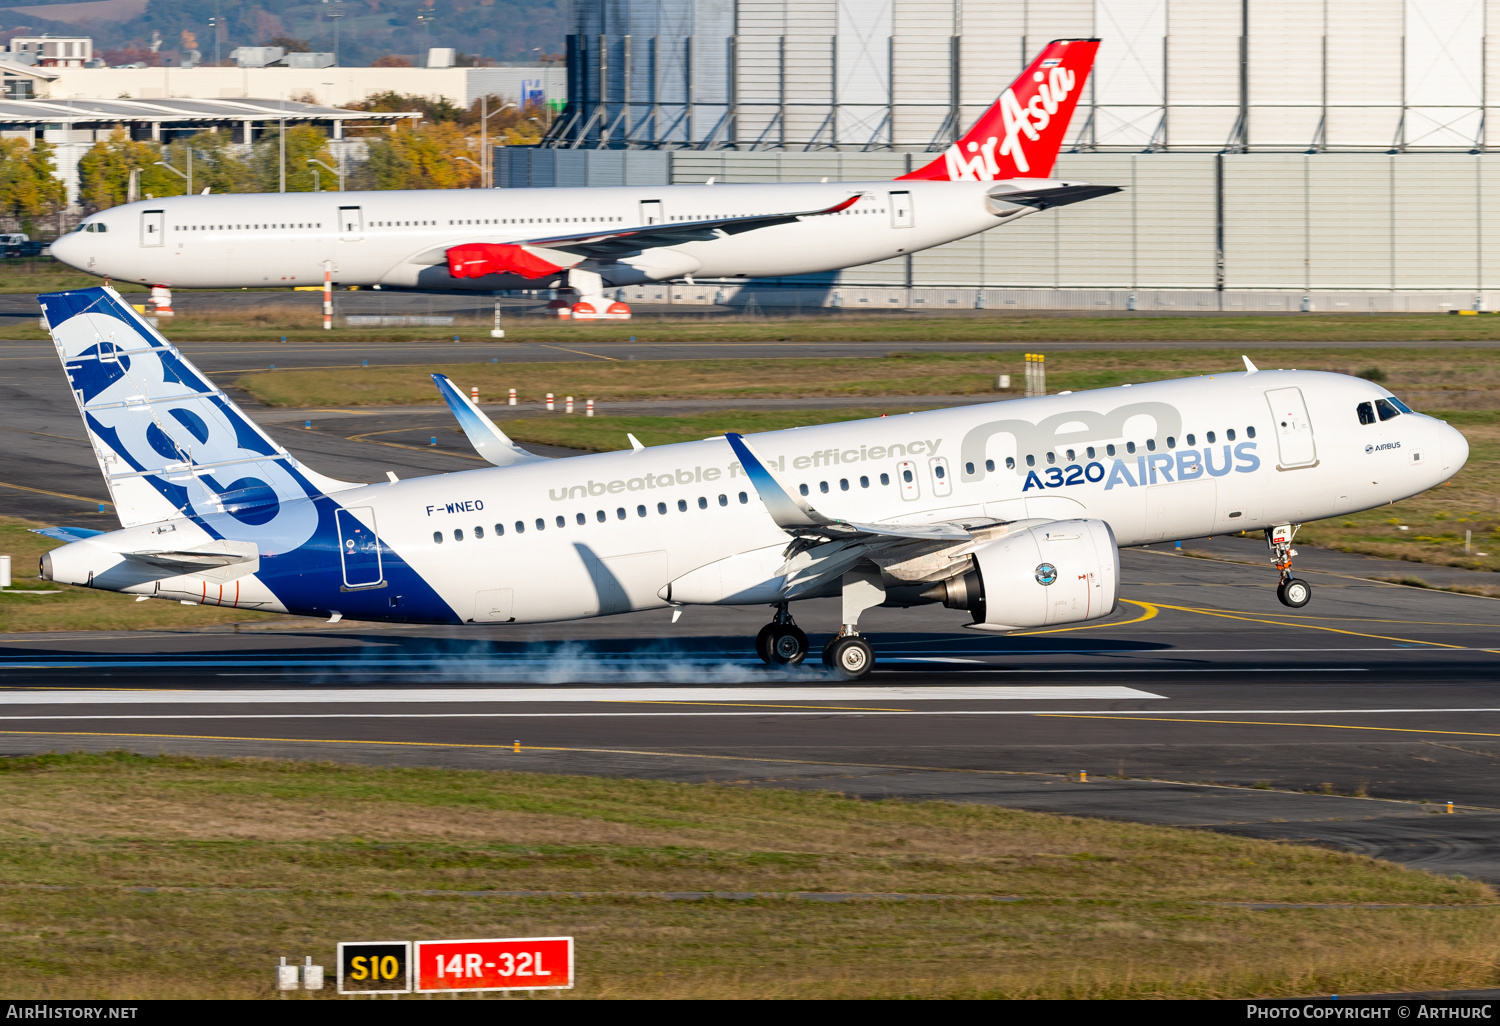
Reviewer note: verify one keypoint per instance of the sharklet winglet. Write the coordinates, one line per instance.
(778, 499)
(488, 440)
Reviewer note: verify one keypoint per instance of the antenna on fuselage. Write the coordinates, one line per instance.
(1250, 368)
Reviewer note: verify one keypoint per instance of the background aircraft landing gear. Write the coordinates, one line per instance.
(1294, 592)
(1291, 591)
(781, 642)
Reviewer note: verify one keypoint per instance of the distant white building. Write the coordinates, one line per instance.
(52, 51)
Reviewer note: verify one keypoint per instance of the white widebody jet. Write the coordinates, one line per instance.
(1012, 511)
(590, 239)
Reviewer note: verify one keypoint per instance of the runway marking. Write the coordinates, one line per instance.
(1119, 714)
(368, 439)
(580, 352)
(60, 495)
(758, 705)
(621, 694)
(1150, 614)
(1262, 723)
(1317, 627)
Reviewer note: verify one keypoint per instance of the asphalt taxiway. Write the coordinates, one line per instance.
(1200, 702)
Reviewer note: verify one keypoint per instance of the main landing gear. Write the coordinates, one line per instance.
(781, 642)
(1292, 591)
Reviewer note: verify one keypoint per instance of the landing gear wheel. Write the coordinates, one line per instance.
(850, 656)
(1294, 592)
(781, 644)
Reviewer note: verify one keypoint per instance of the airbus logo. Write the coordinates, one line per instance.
(1383, 445)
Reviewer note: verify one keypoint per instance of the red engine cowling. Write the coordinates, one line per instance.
(1065, 571)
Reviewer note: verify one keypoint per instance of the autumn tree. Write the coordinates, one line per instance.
(302, 142)
(29, 188)
(423, 156)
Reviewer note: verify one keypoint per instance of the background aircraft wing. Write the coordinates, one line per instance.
(672, 233)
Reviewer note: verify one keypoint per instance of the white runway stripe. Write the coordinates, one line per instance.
(428, 696)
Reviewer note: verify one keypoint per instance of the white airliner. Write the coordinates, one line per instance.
(1013, 511)
(590, 239)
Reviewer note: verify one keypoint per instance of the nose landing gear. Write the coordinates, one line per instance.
(1291, 591)
(781, 642)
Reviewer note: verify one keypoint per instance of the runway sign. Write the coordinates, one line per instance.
(375, 967)
(515, 963)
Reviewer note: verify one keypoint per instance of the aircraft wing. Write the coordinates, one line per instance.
(795, 515)
(488, 440)
(606, 244)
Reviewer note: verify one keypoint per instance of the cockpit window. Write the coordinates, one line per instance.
(1398, 404)
(1386, 410)
(1366, 413)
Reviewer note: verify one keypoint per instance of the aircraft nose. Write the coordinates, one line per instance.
(70, 250)
(1455, 450)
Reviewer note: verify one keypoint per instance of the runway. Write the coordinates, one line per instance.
(1200, 702)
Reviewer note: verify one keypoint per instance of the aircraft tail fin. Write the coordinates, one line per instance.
(1020, 136)
(169, 442)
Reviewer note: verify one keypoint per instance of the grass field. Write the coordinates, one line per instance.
(133, 877)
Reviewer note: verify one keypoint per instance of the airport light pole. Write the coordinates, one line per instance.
(487, 173)
(480, 166)
(188, 177)
(335, 13)
(330, 170)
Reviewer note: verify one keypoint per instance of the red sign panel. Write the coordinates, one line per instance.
(515, 963)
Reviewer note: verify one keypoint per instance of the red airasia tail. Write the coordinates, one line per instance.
(593, 239)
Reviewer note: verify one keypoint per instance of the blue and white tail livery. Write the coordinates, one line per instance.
(1011, 511)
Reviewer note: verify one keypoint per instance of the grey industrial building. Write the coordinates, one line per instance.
(1277, 154)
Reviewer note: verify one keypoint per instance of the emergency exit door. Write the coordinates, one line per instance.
(902, 215)
(651, 212)
(359, 548)
(351, 224)
(1294, 432)
(153, 224)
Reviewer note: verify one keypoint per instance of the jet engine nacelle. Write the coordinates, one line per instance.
(1065, 571)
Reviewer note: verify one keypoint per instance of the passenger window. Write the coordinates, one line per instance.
(661, 508)
(968, 468)
(1386, 410)
(906, 476)
(581, 519)
(682, 505)
(620, 513)
(939, 472)
(802, 489)
(562, 522)
(1051, 458)
(1110, 449)
(1091, 452)
(1030, 460)
(885, 479)
(1229, 434)
(1070, 455)
(640, 511)
(843, 484)
(1250, 431)
(437, 537)
(499, 529)
(599, 515)
(1171, 442)
(744, 498)
(541, 525)
(989, 465)
(520, 527)
(458, 534)
(723, 499)
(1150, 445)
(1130, 447)
(1192, 439)
(823, 487)
(1210, 438)
(1010, 463)
(702, 502)
(478, 532)
(864, 482)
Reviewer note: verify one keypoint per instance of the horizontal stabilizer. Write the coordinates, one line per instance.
(66, 534)
(488, 440)
(1045, 196)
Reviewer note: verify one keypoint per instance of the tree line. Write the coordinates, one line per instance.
(439, 151)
